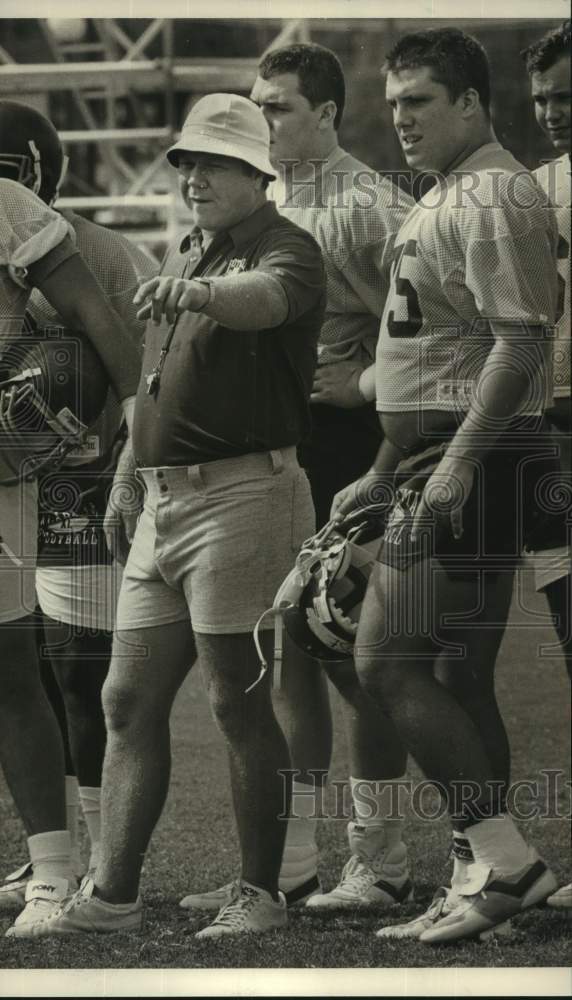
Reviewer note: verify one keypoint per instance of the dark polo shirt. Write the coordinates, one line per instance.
(226, 392)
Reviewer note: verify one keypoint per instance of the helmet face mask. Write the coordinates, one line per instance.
(30, 150)
(320, 600)
(55, 389)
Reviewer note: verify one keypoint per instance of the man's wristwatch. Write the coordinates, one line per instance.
(207, 282)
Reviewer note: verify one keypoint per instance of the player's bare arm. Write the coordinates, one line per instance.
(346, 384)
(503, 384)
(374, 487)
(77, 297)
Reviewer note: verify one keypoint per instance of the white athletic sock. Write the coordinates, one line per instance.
(90, 799)
(300, 858)
(50, 854)
(72, 818)
(497, 844)
(378, 808)
(462, 858)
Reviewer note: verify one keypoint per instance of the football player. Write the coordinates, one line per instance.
(548, 64)
(77, 582)
(461, 384)
(37, 250)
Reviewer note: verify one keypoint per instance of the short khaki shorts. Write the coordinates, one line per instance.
(215, 541)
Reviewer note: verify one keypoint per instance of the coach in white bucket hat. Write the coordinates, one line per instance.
(226, 125)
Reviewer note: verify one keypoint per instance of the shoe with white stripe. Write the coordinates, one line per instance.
(13, 889)
(443, 903)
(83, 913)
(562, 898)
(213, 901)
(492, 900)
(251, 910)
(375, 882)
(43, 898)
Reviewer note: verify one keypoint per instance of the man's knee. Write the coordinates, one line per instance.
(126, 706)
(382, 679)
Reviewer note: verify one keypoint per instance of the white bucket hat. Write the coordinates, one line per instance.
(226, 125)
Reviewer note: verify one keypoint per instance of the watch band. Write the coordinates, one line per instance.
(211, 291)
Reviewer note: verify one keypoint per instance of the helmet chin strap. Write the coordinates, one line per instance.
(61, 178)
(36, 166)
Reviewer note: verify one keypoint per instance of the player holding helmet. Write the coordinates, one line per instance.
(461, 386)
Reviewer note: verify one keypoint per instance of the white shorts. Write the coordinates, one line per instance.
(80, 595)
(550, 565)
(18, 548)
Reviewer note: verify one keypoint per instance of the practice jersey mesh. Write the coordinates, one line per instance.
(479, 247)
(119, 267)
(28, 231)
(354, 214)
(556, 180)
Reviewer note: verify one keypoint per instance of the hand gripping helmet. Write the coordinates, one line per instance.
(52, 389)
(30, 150)
(319, 602)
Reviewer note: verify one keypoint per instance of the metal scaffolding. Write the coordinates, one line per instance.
(103, 71)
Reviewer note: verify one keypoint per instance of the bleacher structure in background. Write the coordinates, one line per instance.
(101, 72)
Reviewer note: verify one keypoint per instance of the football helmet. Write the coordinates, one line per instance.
(30, 150)
(319, 602)
(52, 389)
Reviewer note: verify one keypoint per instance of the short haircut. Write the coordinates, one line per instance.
(319, 71)
(456, 60)
(541, 55)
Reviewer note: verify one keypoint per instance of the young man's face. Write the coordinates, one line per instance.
(432, 132)
(552, 96)
(293, 123)
(218, 190)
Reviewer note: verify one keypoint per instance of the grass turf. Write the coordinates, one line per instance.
(195, 846)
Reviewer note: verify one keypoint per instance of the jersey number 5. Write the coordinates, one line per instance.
(411, 326)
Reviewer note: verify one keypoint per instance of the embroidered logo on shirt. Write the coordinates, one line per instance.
(236, 265)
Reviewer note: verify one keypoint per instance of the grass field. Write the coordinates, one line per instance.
(195, 846)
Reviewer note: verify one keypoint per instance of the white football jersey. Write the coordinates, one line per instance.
(479, 247)
(28, 231)
(556, 180)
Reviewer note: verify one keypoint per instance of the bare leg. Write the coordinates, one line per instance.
(137, 698)
(260, 762)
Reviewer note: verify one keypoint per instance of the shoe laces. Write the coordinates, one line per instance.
(75, 899)
(235, 912)
(357, 871)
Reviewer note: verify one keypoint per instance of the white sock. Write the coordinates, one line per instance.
(378, 808)
(497, 844)
(50, 854)
(300, 858)
(90, 799)
(72, 818)
(462, 858)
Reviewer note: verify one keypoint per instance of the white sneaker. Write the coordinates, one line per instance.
(13, 888)
(491, 901)
(443, 902)
(42, 899)
(376, 881)
(214, 900)
(85, 913)
(251, 910)
(562, 898)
